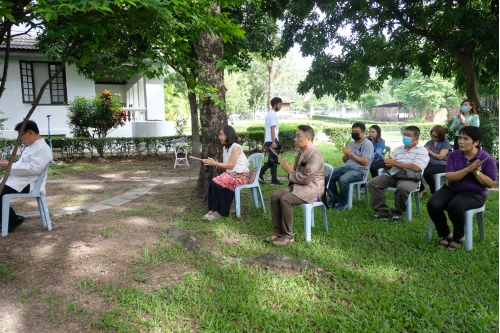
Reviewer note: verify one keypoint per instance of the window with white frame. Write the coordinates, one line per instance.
(33, 76)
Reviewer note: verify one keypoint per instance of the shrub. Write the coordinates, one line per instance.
(91, 117)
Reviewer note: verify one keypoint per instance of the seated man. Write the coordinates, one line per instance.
(411, 156)
(307, 183)
(25, 172)
(357, 158)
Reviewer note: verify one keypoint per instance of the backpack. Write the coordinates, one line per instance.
(327, 194)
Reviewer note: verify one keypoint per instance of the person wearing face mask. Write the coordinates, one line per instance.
(468, 117)
(357, 158)
(410, 156)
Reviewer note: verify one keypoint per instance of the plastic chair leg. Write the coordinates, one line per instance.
(47, 214)
(417, 202)
(469, 219)
(325, 220)
(255, 198)
(349, 196)
(307, 223)
(358, 190)
(41, 210)
(5, 215)
(408, 208)
(237, 201)
(262, 199)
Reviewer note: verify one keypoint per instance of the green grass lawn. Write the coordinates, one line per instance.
(377, 277)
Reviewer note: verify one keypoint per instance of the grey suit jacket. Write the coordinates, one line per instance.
(308, 176)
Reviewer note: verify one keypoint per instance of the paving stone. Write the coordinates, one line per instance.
(96, 207)
(117, 201)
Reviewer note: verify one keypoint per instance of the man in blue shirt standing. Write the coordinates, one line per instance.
(357, 158)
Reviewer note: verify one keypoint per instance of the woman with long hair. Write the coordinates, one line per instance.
(438, 148)
(375, 136)
(235, 163)
(468, 117)
(470, 172)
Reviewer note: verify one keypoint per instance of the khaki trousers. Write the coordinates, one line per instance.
(282, 211)
(377, 186)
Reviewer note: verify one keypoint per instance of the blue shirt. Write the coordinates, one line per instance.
(378, 146)
(437, 149)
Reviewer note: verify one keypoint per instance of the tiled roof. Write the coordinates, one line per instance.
(23, 42)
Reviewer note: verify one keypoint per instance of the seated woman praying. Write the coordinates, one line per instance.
(221, 188)
(470, 172)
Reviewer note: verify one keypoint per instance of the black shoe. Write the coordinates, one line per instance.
(397, 219)
(20, 219)
(381, 217)
(261, 180)
(276, 182)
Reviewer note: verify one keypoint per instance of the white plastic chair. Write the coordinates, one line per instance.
(358, 191)
(42, 203)
(181, 148)
(469, 219)
(437, 180)
(415, 192)
(308, 209)
(256, 159)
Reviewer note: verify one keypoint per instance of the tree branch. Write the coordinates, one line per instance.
(6, 64)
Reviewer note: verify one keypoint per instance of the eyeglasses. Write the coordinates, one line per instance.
(434, 136)
(356, 132)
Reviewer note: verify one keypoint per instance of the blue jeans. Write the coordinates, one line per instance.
(344, 176)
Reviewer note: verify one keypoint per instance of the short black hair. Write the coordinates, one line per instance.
(230, 134)
(414, 129)
(276, 100)
(307, 129)
(30, 126)
(474, 133)
(360, 125)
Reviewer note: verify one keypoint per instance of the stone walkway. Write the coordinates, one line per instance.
(145, 185)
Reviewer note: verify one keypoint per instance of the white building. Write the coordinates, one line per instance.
(142, 98)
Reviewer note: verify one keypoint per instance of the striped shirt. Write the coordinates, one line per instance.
(417, 155)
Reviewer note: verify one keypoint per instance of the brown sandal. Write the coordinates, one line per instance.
(271, 238)
(283, 241)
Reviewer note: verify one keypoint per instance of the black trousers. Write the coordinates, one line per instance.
(456, 203)
(272, 163)
(429, 173)
(220, 199)
(12, 214)
(375, 166)
(455, 143)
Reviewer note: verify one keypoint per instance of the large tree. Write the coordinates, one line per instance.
(381, 39)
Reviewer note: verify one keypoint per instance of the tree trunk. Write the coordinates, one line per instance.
(195, 126)
(212, 115)
(270, 82)
(467, 60)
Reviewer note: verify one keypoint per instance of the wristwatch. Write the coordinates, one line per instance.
(350, 156)
(477, 173)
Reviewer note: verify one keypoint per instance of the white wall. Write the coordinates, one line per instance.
(155, 100)
(11, 103)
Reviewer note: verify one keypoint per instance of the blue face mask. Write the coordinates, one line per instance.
(407, 141)
(464, 108)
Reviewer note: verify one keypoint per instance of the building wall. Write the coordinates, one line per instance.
(139, 92)
(11, 103)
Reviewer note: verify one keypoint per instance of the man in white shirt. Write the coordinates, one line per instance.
(410, 156)
(25, 172)
(271, 140)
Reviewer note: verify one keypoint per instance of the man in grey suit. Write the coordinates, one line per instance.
(307, 183)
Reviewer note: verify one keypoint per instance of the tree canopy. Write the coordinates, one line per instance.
(383, 38)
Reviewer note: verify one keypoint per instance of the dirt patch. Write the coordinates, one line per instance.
(49, 275)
